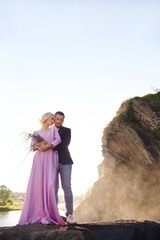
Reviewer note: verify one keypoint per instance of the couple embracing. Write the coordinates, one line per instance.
(52, 158)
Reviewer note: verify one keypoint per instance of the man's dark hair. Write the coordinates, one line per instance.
(60, 113)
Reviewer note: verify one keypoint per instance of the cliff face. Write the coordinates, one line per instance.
(129, 176)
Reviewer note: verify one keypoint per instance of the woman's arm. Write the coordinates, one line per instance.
(57, 139)
(45, 147)
(54, 143)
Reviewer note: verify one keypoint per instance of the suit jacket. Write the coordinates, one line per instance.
(62, 148)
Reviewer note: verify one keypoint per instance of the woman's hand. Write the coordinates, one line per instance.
(38, 145)
(44, 143)
(45, 147)
(35, 147)
(42, 146)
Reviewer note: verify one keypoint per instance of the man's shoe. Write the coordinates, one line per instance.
(70, 219)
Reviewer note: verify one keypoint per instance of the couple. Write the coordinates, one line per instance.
(52, 157)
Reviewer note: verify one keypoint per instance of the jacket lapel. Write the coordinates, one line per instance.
(60, 130)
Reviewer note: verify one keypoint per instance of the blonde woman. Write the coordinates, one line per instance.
(40, 201)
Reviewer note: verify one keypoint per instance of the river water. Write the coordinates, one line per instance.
(11, 218)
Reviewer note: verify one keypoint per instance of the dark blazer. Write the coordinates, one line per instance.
(62, 148)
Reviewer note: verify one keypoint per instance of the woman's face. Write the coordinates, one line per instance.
(50, 120)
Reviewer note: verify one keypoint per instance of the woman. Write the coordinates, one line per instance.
(40, 203)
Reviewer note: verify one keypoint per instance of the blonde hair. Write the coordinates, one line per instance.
(45, 117)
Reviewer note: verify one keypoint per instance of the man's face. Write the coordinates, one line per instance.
(59, 119)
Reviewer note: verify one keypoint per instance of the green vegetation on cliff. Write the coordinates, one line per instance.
(129, 115)
(150, 98)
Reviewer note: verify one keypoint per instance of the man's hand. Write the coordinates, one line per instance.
(45, 147)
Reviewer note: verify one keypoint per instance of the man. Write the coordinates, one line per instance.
(65, 164)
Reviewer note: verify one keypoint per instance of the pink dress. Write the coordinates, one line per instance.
(40, 202)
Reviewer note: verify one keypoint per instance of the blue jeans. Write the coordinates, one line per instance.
(65, 174)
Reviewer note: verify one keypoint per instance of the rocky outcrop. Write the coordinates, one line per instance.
(129, 176)
(119, 230)
(41, 232)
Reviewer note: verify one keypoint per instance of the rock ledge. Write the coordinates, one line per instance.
(118, 230)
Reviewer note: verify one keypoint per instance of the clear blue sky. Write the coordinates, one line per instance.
(81, 57)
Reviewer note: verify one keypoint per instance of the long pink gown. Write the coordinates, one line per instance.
(40, 203)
